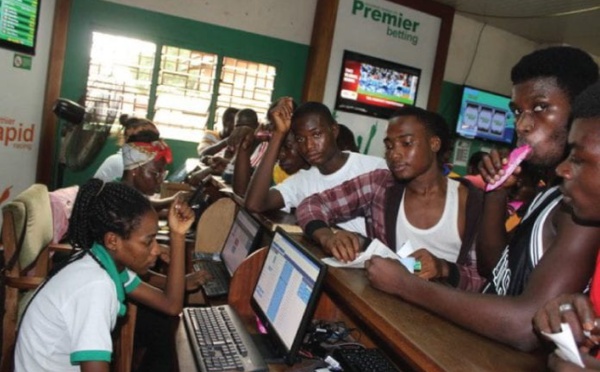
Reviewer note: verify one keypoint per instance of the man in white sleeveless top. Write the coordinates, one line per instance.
(411, 201)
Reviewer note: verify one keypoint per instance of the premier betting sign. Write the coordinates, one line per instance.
(398, 26)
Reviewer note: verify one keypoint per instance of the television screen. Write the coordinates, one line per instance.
(486, 116)
(375, 87)
(18, 24)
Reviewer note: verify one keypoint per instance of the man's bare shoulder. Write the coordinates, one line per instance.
(561, 228)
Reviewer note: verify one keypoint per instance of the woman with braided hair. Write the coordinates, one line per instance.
(67, 325)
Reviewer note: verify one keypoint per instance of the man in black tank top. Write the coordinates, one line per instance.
(544, 84)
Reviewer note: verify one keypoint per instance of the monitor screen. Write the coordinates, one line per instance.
(242, 238)
(286, 293)
(18, 24)
(375, 87)
(486, 116)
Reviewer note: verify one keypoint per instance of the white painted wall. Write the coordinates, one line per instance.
(289, 20)
(21, 106)
(485, 64)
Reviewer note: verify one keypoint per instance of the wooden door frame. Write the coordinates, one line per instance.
(47, 151)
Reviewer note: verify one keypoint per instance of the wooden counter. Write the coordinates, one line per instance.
(423, 340)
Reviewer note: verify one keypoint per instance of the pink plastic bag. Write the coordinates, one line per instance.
(514, 159)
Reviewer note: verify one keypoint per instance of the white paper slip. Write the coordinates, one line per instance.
(567, 348)
(376, 248)
(405, 250)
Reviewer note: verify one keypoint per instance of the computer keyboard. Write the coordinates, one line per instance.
(219, 340)
(219, 284)
(363, 360)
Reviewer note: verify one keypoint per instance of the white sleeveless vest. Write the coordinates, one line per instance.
(443, 239)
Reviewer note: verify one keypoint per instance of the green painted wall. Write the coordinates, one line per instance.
(92, 15)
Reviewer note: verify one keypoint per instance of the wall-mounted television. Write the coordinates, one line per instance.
(18, 24)
(486, 116)
(375, 87)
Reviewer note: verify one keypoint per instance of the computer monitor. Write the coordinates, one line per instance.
(242, 239)
(286, 294)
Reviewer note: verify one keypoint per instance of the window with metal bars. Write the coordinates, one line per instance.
(175, 87)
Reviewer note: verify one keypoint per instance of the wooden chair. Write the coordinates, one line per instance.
(123, 344)
(214, 224)
(26, 235)
(243, 282)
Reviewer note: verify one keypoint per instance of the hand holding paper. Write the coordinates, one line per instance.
(567, 348)
(376, 248)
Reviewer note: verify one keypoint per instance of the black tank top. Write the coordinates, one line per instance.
(514, 267)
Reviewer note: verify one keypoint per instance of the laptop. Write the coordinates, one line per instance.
(242, 240)
(284, 300)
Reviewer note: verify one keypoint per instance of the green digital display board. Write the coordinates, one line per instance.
(18, 24)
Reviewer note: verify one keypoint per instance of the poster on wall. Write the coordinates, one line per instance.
(21, 109)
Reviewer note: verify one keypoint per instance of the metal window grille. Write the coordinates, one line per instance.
(178, 92)
(119, 78)
(245, 84)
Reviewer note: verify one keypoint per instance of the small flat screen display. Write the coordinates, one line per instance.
(18, 24)
(375, 87)
(486, 116)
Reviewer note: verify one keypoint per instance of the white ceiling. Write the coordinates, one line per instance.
(573, 22)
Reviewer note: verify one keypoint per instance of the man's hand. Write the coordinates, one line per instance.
(237, 136)
(342, 244)
(206, 159)
(386, 274)
(282, 115)
(490, 168)
(218, 165)
(574, 309)
(194, 280)
(431, 266)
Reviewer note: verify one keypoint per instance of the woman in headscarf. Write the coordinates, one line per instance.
(112, 167)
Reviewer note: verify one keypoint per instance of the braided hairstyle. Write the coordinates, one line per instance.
(100, 207)
(105, 207)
